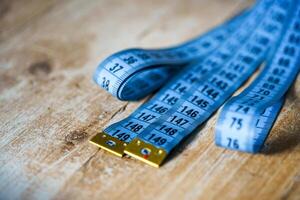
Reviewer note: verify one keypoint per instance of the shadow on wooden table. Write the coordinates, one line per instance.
(284, 142)
(288, 136)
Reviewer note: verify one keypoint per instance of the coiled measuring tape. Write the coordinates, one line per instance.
(246, 119)
(207, 71)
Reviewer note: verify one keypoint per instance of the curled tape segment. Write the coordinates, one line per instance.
(205, 73)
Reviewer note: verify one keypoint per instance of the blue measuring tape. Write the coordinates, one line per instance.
(204, 73)
(246, 119)
(134, 73)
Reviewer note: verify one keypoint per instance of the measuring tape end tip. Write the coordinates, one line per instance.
(109, 143)
(146, 152)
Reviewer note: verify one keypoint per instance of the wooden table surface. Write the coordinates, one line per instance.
(50, 108)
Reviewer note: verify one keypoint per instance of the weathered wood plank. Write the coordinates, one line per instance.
(49, 108)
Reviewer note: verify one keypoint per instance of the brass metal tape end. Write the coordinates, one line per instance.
(146, 152)
(109, 143)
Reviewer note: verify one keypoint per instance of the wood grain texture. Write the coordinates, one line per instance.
(49, 108)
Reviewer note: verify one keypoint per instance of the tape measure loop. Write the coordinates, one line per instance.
(198, 76)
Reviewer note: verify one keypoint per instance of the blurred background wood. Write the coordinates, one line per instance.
(49, 108)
